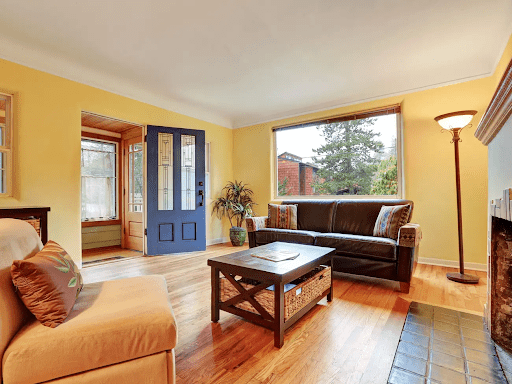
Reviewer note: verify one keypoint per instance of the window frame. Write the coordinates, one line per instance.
(8, 148)
(117, 142)
(361, 114)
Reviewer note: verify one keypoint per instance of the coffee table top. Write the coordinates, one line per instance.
(255, 267)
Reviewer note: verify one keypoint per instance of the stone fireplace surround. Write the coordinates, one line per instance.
(495, 131)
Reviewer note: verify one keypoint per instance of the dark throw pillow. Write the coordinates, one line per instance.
(48, 284)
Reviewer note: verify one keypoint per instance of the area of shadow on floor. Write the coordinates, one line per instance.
(440, 345)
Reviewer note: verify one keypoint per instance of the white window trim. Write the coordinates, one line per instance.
(7, 149)
(400, 174)
(116, 183)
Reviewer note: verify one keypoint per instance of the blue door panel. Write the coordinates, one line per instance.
(176, 230)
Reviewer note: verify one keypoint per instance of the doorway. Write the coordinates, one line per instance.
(112, 189)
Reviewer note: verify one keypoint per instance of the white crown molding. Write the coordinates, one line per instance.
(247, 123)
(452, 264)
(43, 61)
(498, 111)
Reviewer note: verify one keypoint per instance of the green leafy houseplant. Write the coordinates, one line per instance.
(235, 204)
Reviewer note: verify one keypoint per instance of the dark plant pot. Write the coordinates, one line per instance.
(237, 236)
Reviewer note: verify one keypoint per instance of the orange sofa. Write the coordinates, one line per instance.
(120, 331)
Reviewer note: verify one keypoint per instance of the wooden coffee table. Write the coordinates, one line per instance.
(268, 273)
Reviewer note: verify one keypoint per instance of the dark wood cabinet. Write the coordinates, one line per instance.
(38, 217)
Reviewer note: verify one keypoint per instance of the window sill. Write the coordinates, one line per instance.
(99, 223)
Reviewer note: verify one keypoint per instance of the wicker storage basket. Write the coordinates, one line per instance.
(307, 288)
(35, 223)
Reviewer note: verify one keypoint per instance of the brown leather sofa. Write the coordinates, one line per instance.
(347, 225)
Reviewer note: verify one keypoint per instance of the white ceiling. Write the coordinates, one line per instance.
(241, 62)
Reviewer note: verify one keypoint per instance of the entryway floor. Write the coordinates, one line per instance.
(106, 254)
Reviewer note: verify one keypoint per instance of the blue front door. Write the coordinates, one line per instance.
(175, 190)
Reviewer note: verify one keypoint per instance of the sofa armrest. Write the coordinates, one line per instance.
(255, 223)
(409, 235)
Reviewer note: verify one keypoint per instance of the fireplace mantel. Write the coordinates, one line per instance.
(498, 111)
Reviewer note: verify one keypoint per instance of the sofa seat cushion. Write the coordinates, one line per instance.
(359, 246)
(111, 322)
(269, 235)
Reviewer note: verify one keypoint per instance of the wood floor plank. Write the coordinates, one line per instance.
(350, 340)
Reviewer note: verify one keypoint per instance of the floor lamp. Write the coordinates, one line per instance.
(454, 123)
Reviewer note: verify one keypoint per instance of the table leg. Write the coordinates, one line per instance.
(215, 294)
(279, 315)
(329, 295)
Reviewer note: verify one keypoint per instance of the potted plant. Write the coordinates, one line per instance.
(236, 203)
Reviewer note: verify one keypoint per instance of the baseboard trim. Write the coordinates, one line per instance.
(219, 240)
(452, 264)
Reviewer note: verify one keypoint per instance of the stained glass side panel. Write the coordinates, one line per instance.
(188, 172)
(3, 173)
(165, 174)
(135, 178)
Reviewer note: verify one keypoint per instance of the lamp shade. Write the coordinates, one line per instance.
(455, 119)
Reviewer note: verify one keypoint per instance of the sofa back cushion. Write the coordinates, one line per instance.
(18, 240)
(358, 217)
(314, 215)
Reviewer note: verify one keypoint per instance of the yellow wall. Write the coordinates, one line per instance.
(47, 130)
(429, 169)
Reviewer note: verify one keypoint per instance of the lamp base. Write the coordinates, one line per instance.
(463, 278)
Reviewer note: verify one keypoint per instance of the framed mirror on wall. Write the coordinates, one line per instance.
(6, 144)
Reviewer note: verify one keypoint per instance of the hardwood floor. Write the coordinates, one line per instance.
(351, 340)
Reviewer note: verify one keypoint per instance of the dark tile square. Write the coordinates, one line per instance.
(480, 326)
(417, 328)
(508, 375)
(448, 337)
(415, 339)
(423, 311)
(411, 364)
(505, 358)
(446, 327)
(476, 380)
(485, 373)
(470, 316)
(448, 361)
(412, 350)
(446, 311)
(446, 318)
(476, 335)
(445, 375)
(426, 321)
(397, 376)
(448, 348)
(479, 346)
(481, 357)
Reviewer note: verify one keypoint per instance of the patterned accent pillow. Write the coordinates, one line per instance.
(390, 219)
(48, 284)
(282, 216)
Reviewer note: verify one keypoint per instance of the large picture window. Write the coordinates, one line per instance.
(99, 180)
(5, 144)
(357, 154)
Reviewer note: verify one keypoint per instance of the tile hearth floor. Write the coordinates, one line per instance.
(440, 345)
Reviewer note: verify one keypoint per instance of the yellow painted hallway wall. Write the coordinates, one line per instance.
(47, 129)
(429, 166)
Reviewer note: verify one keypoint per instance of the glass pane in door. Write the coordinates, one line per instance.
(165, 174)
(135, 177)
(188, 172)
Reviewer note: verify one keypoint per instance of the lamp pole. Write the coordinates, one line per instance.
(459, 277)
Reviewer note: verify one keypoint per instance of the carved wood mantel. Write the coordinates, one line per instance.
(498, 111)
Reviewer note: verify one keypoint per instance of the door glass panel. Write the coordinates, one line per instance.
(3, 172)
(165, 175)
(135, 178)
(188, 172)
